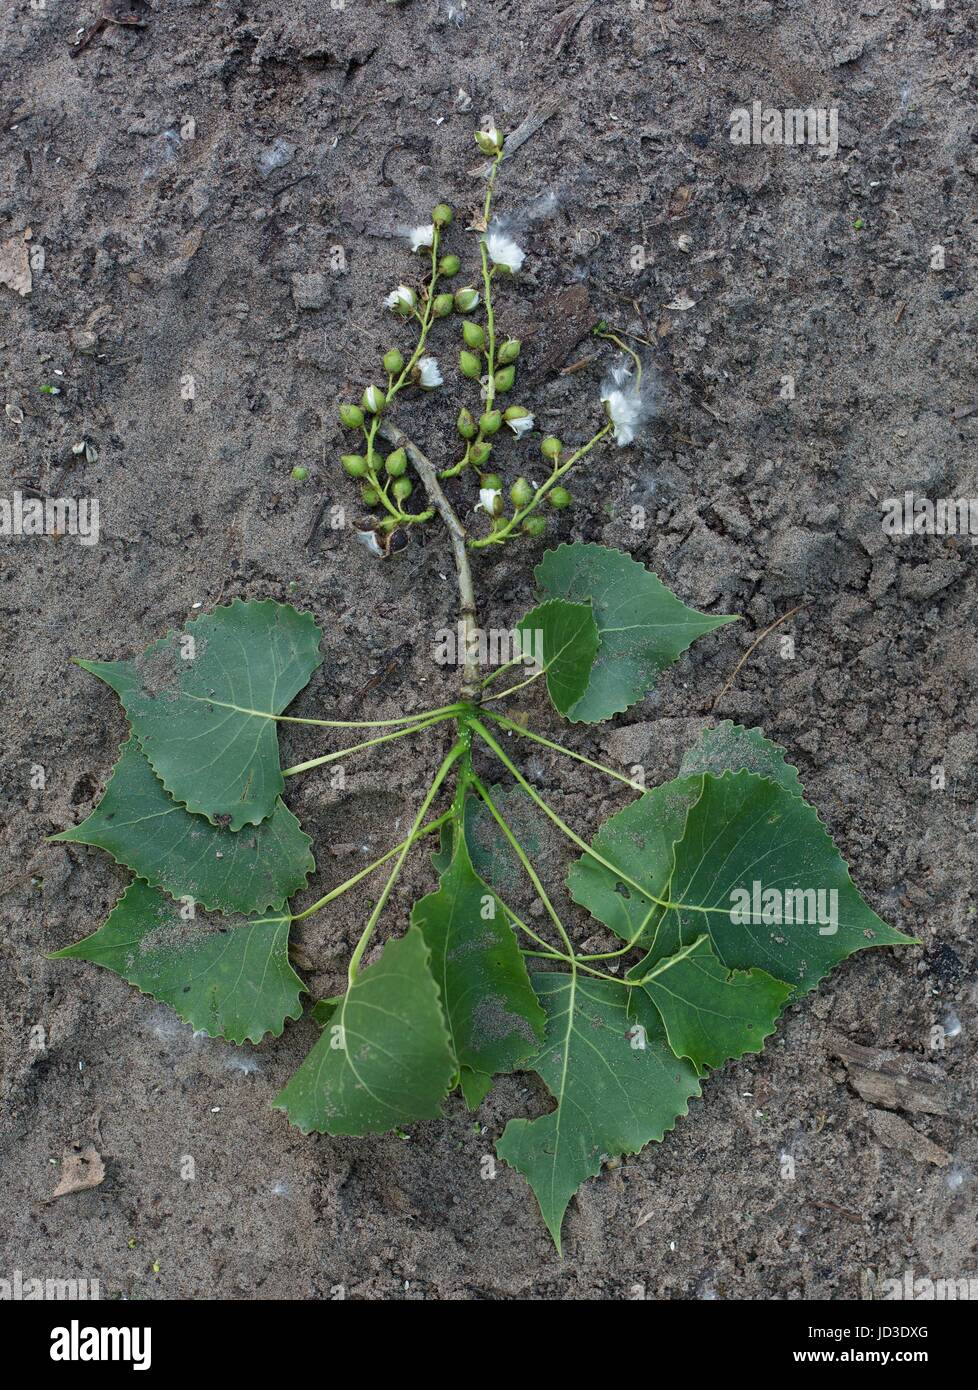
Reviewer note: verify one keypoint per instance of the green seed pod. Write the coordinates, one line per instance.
(504, 378)
(474, 334)
(370, 496)
(443, 305)
(351, 416)
(355, 464)
(449, 265)
(490, 422)
(535, 525)
(509, 351)
(374, 400)
(469, 364)
(402, 489)
(299, 473)
(515, 412)
(441, 215)
(492, 481)
(560, 498)
(551, 448)
(489, 141)
(393, 365)
(479, 453)
(521, 493)
(466, 300)
(466, 424)
(396, 463)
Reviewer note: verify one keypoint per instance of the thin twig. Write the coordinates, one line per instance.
(753, 647)
(429, 476)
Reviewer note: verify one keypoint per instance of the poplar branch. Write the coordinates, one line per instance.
(428, 474)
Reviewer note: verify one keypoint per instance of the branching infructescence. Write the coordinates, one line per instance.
(723, 888)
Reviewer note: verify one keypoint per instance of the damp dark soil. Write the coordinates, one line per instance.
(210, 204)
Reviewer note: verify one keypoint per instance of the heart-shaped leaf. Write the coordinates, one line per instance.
(384, 1058)
(639, 839)
(142, 827)
(729, 747)
(710, 1013)
(228, 977)
(563, 640)
(751, 865)
(616, 1082)
(493, 1016)
(757, 870)
(202, 702)
(642, 626)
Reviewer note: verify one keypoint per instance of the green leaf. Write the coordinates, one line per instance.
(729, 747)
(710, 1013)
(638, 841)
(228, 977)
(563, 639)
(640, 838)
(493, 1016)
(475, 1086)
(492, 856)
(160, 840)
(385, 1058)
(756, 869)
(642, 626)
(203, 708)
(616, 1086)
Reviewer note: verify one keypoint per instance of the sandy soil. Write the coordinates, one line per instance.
(212, 257)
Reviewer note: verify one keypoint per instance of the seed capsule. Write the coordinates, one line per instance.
(474, 334)
(355, 464)
(465, 424)
(560, 498)
(374, 400)
(351, 416)
(504, 378)
(551, 448)
(396, 463)
(489, 141)
(490, 422)
(521, 493)
(441, 215)
(402, 489)
(535, 525)
(509, 351)
(466, 300)
(469, 364)
(393, 365)
(449, 265)
(443, 305)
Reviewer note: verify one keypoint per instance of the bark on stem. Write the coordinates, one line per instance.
(429, 476)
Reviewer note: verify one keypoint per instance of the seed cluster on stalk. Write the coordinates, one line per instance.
(486, 357)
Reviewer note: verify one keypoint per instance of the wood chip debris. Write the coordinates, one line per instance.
(895, 1133)
(15, 264)
(889, 1080)
(81, 1169)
